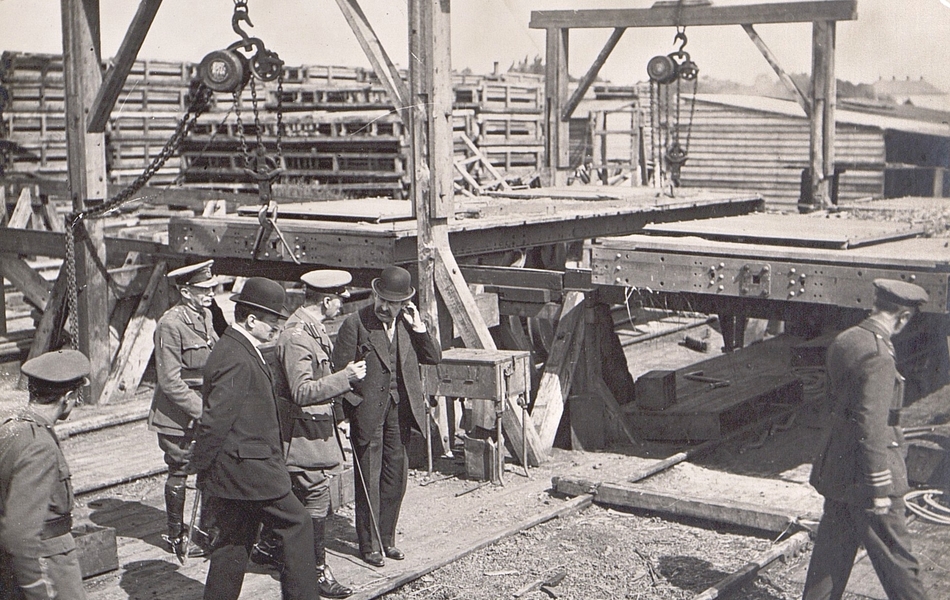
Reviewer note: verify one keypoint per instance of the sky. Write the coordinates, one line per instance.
(890, 38)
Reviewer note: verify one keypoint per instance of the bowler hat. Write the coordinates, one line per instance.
(394, 284)
(264, 294)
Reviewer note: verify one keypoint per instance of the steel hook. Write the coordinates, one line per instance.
(240, 14)
(680, 37)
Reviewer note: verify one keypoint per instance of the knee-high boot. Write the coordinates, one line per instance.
(174, 509)
(329, 586)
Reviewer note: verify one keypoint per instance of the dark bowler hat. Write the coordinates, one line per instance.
(196, 275)
(901, 293)
(263, 293)
(328, 281)
(394, 284)
(59, 370)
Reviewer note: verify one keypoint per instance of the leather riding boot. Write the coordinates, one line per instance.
(174, 510)
(329, 586)
(267, 551)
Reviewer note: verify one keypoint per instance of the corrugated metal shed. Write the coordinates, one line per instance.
(761, 144)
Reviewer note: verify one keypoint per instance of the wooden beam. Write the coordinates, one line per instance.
(559, 369)
(137, 341)
(52, 244)
(24, 278)
(584, 84)
(556, 131)
(461, 304)
(686, 15)
(124, 60)
(441, 139)
(383, 66)
(51, 323)
(782, 75)
(636, 497)
(22, 211)
(735, 580)
(86, 174)
(821, 154)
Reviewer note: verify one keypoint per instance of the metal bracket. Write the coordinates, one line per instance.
(755, 280)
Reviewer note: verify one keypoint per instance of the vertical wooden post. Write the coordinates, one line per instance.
(822, 132)
(82, 69)
(556, 131)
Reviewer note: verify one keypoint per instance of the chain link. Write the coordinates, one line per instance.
(199, 97)
(280, 118)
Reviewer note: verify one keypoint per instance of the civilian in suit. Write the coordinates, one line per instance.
(861, 470)
(238, 455)
(386, 405)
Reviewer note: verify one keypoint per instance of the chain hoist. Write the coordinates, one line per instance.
(667, 74)
(231, 71)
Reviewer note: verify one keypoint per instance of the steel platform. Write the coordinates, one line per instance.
(783, 259)
(373, 233)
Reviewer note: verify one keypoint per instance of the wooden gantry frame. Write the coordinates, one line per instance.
(819, 106)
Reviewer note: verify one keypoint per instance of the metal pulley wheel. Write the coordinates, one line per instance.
(676, 154)
(224, 71)
(266, 65)
(688, 70)
(662, 69)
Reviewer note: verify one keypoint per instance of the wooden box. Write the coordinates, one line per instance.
(479, 374)
(928, 465)
(481, 459)
(96, 548)
(656, 390)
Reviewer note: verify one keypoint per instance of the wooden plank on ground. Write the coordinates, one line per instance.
(559, 370)
(720, 510)
(137, 342)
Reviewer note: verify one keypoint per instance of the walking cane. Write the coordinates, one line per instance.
(181, 551)
(359, 474)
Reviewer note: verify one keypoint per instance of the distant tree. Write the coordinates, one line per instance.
(535, 66)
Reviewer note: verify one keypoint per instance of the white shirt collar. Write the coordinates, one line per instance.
(254, 341)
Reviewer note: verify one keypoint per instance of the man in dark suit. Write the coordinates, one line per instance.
(386, 405)
(861, 471)
(238, 455)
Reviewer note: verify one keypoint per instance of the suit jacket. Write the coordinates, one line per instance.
(863, 457)
(362, 336)
(183, 341)
(238, 451)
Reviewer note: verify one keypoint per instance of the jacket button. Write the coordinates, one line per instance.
(382, 388)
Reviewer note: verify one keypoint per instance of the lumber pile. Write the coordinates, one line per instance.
(339, 127)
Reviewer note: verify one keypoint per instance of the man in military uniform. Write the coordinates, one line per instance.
(183, 340)
(311, 448)
(38, 556)
(238, 454)
(861, 470)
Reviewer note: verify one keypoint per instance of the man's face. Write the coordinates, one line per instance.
(385, 310)
(332, 306)
(197, 297)
(264, 329)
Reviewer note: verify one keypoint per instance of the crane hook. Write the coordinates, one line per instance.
(240, 14)
(680, 37)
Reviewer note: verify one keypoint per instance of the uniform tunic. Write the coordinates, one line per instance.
(183, 341)
(36, 501)
(863, 459)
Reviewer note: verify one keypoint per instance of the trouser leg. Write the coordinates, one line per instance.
(368, 459)
(237, 523)
(394, 471)
(291, 524)
(887, 541)
(832, 557)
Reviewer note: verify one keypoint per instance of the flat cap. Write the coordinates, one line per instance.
(328, 281)
(901, 293)
(196, 275)
(58, 369)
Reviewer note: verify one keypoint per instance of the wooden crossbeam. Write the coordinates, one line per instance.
(559, 370)
(124, 60)
(23, 211)
(137, 341)
(52, 322)
(460, 302)
(676, 15)
(591, 74)
(782, 75)
(24, 278)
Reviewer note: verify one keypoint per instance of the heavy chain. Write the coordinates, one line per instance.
(199, 101)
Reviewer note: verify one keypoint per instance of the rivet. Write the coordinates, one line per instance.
(793, 271)
(791, 293)
(801, 291)
(722, 287)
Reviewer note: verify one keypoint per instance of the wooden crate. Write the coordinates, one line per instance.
(97, 550)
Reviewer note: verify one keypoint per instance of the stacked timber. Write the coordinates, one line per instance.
(338, 126)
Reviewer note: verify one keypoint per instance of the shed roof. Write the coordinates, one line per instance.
(850, 117)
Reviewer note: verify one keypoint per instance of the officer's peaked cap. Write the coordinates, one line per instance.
(901, 293)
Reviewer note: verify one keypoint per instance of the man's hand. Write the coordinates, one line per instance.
(412, 316)
(355, 371)
(881, 505)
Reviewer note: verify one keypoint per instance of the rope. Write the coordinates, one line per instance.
(930, 509)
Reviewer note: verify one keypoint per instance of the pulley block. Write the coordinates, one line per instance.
(676, 154)
(688, 70)
(266, 65)
(224, 71)
(662, 69)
